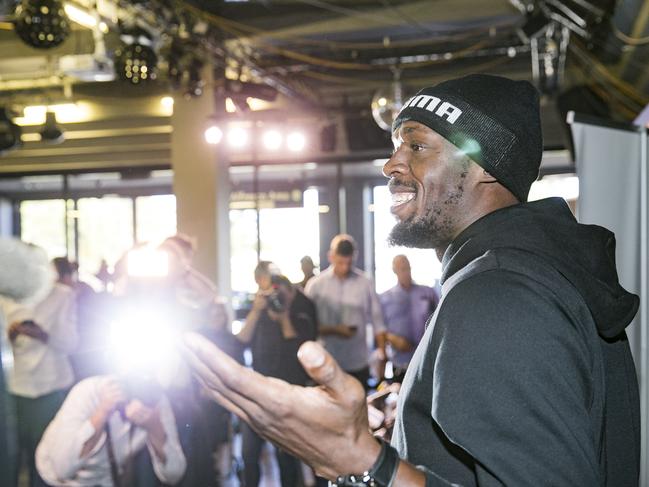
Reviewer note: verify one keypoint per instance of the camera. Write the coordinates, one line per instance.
(276, 301)
(145, 389)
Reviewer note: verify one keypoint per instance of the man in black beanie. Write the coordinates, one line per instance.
(524, 375)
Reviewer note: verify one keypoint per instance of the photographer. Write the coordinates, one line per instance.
(99, 430)
(281, 319)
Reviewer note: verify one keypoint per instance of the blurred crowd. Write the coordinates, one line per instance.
(97, 390)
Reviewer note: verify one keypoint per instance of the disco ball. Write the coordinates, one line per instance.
(385, 105)
(136, 63)
(41, 23)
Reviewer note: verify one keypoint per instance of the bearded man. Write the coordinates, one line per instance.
(524, 375)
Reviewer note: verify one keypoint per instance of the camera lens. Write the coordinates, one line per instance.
(275, 302)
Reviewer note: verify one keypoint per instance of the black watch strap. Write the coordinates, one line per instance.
(385, 468)
(381, 474)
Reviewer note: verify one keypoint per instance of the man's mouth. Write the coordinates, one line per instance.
(400, 200)
(402, 193)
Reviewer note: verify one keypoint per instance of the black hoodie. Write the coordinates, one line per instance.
(524, 376)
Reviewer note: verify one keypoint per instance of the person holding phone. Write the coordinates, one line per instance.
(347, 303)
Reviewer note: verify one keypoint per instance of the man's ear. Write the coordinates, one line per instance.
(486, 177)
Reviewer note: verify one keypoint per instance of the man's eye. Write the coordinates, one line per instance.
(416, 147)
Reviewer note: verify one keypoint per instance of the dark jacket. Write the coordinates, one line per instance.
(276, 356)
(525, 376)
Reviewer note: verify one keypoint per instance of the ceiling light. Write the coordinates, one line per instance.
(65, 113)
(136, 63)
(257, 104)
(52, 132)
(230, 107)
(80, 16)
(272, 139)
(240, 89)
(41, 23)
(237, 137)
(9, 133)
(213, 135)
(167, 103)
(296, 141)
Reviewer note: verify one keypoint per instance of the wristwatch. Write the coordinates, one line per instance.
(381, 474)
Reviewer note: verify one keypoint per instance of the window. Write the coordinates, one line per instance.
(286, 235)
(43, 224)
(243, 249)
(155, 217)
(105, 230)
(565, 186)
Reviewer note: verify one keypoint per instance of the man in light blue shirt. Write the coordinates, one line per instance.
(346, 303)
(406, 308)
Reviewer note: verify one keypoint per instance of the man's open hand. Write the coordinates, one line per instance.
(326, 426)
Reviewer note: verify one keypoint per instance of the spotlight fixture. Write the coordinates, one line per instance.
(295, 141)
(272, 140)
(243, 89)
(51, 133)
(213, 135)
(41, 23)
(136, 63)
(9, 133)
(237, 137)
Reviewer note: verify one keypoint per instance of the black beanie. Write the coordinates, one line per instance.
(494, 120)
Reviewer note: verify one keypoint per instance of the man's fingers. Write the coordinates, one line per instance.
(202, 372)
(209, 354)
(227, 404)
(217, 371)
(322, 367)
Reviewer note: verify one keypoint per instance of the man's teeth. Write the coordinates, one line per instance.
(401, 198)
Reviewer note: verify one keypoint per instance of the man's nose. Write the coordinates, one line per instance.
(395, 165)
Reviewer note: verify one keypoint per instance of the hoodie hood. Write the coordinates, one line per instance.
(583, 254)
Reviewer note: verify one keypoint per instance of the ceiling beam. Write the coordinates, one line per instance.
(444, 14)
